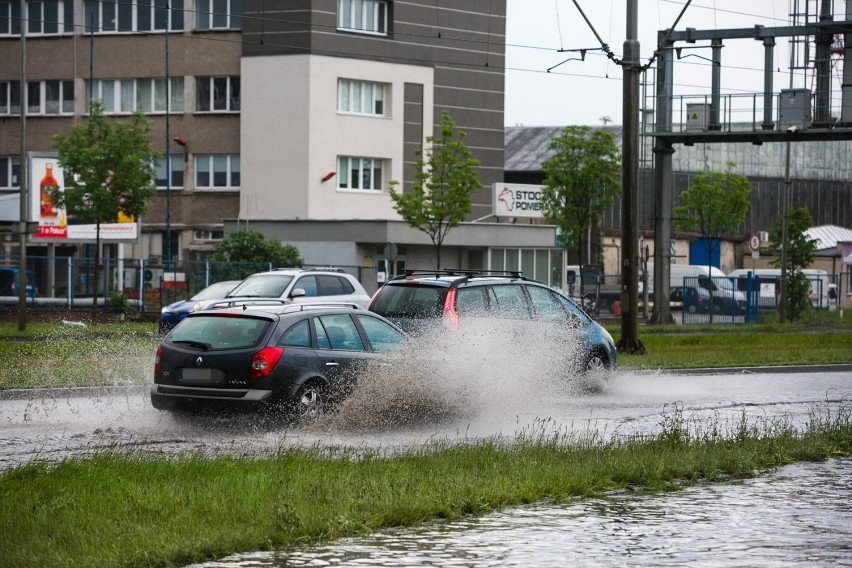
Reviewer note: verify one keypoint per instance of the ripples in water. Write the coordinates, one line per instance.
(797, 515)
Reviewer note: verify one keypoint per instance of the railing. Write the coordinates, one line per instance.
(68, 282)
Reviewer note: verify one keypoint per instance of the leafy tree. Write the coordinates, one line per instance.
(444, 183)
(109, 173)
(581, 180)
(714, 205)
(246, 251)
(800, 255)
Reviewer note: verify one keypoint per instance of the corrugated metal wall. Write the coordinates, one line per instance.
(820, 174)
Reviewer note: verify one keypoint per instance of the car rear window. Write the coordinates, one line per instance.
(410, 301)
(219, 332)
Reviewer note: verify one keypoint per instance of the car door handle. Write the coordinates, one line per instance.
(332, 364)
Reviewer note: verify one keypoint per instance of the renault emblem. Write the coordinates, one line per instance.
(198, 362)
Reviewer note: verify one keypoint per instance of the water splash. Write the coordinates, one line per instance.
(498, 368)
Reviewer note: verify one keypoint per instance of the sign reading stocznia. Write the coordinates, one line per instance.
(517, 200)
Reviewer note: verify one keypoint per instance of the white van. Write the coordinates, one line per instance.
(727, 299)
(769, 286)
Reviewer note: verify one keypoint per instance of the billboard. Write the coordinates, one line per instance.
(517, 200)
(54, 224)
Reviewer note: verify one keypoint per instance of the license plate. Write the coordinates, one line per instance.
(206, 376)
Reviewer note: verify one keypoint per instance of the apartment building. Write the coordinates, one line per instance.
(289, 116)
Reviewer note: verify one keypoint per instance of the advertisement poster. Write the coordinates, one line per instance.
(517, 200)
(54, 224)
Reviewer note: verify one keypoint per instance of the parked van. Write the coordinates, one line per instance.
(726, 298)
(766, 286)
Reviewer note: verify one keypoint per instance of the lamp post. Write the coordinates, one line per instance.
(23, 179)
(168, 255)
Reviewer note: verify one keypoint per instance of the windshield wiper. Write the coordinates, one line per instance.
(190, 343)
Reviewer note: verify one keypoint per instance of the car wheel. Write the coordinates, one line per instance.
(596, 363)
(595, 375)
(310, 402)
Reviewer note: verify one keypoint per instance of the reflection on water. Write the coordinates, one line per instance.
(797, 515)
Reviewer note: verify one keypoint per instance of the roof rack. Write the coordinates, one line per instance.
(302, 307)
(309, 268)
(248, 302)
(465, 272)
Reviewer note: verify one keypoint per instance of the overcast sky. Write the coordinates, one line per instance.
(581, 92)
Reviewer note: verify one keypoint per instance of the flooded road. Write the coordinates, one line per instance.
(56, 424)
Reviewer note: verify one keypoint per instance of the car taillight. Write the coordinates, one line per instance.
(451, 316)
(263, 362)
(157, 359)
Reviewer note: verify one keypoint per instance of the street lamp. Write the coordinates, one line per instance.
(181, 141)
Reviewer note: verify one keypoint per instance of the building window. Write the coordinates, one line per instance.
(367, 16)
(359, 173)
(217, 94)
(10, 169)
(360, 97)
(10, 97)
(50, 97)
(139, 16)
(176, 179)
(125, 96)
(43, 16)
(217, 14)
(204, 236)
(545, 265)
(217, 171)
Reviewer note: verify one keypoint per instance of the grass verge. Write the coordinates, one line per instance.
(57, 356)
(120, 509)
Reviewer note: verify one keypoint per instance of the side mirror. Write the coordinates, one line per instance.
(298, 293)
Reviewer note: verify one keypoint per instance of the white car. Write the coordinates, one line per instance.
(299, 285)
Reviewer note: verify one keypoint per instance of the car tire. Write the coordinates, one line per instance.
(595, 363)
(595, 373)
(310, 402)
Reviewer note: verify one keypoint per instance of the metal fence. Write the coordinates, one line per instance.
(68, 282)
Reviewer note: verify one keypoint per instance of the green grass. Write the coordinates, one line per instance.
(53, 355)
(120, 509)
(687, 351)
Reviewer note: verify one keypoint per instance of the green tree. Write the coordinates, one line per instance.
(581, 181)
(109, 172)
(246, 251)
(714, 205)
(800, 255)
(443, 187)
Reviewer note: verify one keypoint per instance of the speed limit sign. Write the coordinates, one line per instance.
(755, 243)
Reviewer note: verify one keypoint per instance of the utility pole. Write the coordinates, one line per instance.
(629, 341)
(23, 179)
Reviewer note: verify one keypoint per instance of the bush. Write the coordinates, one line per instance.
(117, 302)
